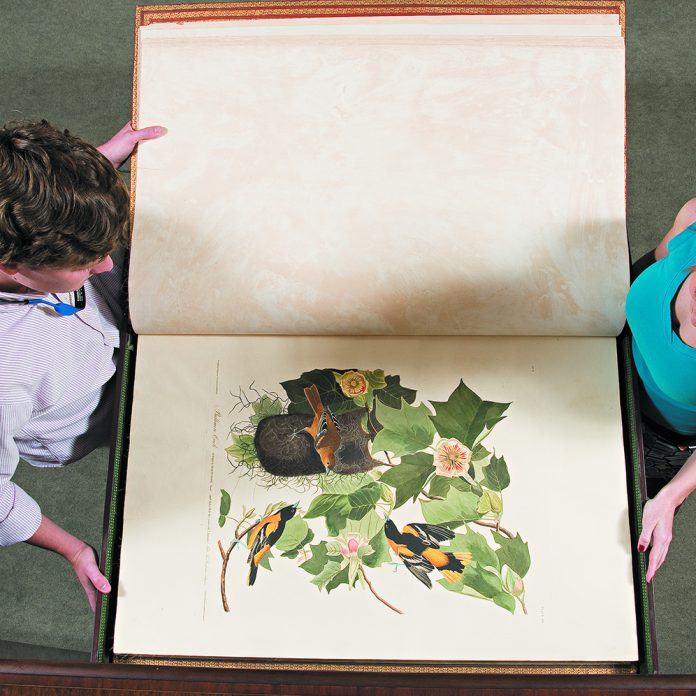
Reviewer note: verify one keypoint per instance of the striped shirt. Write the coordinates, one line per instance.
(56, 391)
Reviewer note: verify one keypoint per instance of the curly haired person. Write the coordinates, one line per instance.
(63, 211)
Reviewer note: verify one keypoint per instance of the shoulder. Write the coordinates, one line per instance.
(685, 219)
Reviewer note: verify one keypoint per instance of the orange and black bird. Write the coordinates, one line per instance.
(264, 534)
(418, 546)
(323, 430)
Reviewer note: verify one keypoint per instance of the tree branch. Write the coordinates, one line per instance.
(225, 559)
(372, 589)
(496, 526)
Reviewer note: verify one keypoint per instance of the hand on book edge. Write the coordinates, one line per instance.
(84, 564)
(120, 147)
(658, 519)
(659, 512)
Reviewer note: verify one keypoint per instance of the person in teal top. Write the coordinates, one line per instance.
(661, 312)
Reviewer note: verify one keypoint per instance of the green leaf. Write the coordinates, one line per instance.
(375, 378)
(307, 539)
(368, 527)
(319, 559)
(242, 448)
(333, 548)
(456, 509)
(512, 582)
(363, 500)
(339, 579)
(464, 415)
(439, 486)
(490, 501)
(329, 391)
(405, 430)
(477, 545)
(479, 453)
(328, 573)
(293, 535)
(387, 495)
(221, 520)
(409, 477)
(273, 507)
(266, 561)
(485, 583)
(225, 503)
(381, 553)
(344, 484)
(353, 569)
(460, 588)
(393, 393)
(496, 476)
(371, 527)
(476, 582)
(335, 508)
(513, 553)
(505, 601)
(265, 407)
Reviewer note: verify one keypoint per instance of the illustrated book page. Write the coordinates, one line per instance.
(506, 451)
(378, 266)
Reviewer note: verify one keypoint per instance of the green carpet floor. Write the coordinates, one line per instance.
(70, 61)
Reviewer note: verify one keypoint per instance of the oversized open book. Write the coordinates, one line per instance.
(378, 269)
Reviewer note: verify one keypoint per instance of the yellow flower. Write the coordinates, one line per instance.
(353, 384)
(452, 458)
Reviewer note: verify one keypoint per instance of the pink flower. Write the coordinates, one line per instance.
(452, 458)
(351, 545)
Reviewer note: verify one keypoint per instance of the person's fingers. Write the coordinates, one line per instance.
(646, 532)
(98, 580)
(90, 576)
(644, 539)
(90, 591)
(657, 557)
(149, 133)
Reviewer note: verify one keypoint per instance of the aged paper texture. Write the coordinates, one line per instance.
(562, 441)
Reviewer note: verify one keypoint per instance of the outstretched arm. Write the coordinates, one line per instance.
(658, 515)
(80, 555)
(119, 148)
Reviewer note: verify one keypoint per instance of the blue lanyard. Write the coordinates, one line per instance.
(65, 310)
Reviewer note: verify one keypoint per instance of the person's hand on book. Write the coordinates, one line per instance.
(120, 147)
(659, 512)
(658, 519)
(84, 564)
(81, 556)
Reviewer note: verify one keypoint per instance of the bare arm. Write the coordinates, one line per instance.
(658, 515)
(684, 218)
(81, 557)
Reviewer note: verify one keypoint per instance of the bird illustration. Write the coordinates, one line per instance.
(264, 534)
(324, 429)
(418, 547)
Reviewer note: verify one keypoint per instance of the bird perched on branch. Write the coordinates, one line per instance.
(418, 547)
(324, 429)
(264, 534)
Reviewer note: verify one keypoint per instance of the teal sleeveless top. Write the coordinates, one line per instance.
(665, 364)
